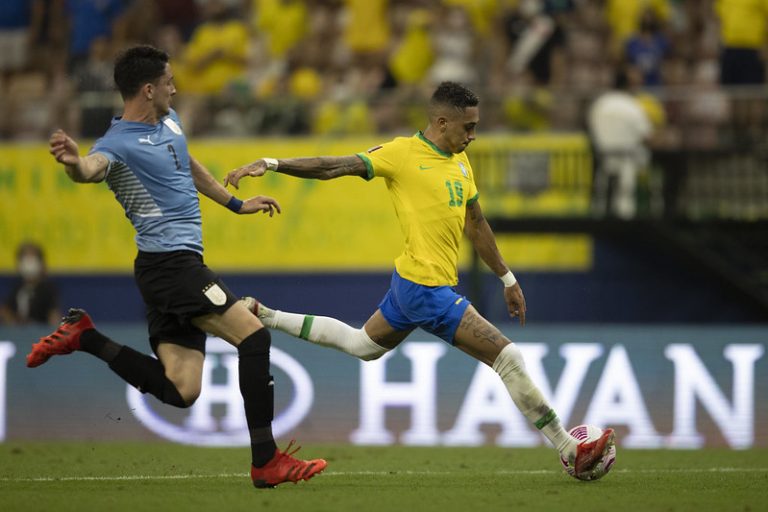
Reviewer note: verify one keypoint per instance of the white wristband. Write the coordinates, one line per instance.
(508, 279)
(271, 163)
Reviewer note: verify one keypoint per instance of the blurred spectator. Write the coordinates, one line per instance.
(294, 66)
(217, 52)
(413, 56)
(619, 128)
(367, 31)
(453, 43)
(708, 109)
(94, 83)
(536, 40)
(647, 49)
(139, 22)
(743, 36)
(182, 14)
(624, 17)
(283, 23)
(15, 18)
(88, 20)
(528, 109)
(214, 62)
(48, 37)
(481, 13)
(34, 297)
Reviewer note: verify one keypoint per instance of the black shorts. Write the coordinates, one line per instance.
(177, 287)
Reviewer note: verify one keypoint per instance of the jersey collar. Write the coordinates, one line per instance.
(431, 144)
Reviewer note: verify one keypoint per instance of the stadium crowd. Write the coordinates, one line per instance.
(336, 67)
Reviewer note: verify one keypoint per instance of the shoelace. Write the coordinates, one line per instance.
(287, 452)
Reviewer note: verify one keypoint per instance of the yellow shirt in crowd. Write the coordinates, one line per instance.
(742, 22)
(228, 41)
(368, 27)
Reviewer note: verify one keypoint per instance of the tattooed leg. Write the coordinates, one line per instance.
(480, 339)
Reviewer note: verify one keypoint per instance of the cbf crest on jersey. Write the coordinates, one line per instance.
(463, 169)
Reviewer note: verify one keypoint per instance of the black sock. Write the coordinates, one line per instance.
(257, 388)
(93, 342)
(147, 374)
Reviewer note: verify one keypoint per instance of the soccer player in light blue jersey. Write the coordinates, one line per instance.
(144, 159)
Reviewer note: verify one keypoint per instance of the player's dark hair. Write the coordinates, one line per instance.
(138, 66)
(454, 95)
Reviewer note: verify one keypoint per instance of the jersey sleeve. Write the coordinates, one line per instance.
(472, 194)
(111, 149)
(384, 160)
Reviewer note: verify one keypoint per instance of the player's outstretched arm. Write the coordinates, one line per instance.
(481, 235)
(207, 185)
(87, 169)
(318, 168)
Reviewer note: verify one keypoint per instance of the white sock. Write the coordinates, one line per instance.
(324, 331)
(510, 366)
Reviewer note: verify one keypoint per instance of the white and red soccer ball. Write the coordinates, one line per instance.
(590, 433)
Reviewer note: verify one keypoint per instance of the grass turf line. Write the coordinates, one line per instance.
(64, 476)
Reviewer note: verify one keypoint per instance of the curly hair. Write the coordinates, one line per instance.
(137, 66)
(454, 95)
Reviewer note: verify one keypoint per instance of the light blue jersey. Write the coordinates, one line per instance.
(150, 174)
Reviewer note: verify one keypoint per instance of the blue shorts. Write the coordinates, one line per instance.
(436, 309)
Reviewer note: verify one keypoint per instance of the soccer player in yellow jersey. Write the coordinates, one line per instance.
(431, 183)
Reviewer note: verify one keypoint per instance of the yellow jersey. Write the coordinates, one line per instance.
(430, 190)
(742, 22)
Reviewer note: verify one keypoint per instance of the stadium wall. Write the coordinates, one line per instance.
(331, 250)
(659, 386)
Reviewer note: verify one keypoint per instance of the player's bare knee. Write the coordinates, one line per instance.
(189, 396)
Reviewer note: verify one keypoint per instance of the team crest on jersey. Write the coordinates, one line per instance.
(463, 169)
(170, 123)
(374, 148)
(215, 294)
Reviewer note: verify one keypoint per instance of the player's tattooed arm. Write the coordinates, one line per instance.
(319, 168)
(323, 167)
(481, 235)
(91, 169)
(479, 232)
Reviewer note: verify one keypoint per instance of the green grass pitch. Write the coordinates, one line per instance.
(64, 476)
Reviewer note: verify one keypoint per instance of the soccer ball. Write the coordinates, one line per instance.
(590, 433)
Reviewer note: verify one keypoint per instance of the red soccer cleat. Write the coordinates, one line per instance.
(65, 340)
(284, 468)
(590, 453)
